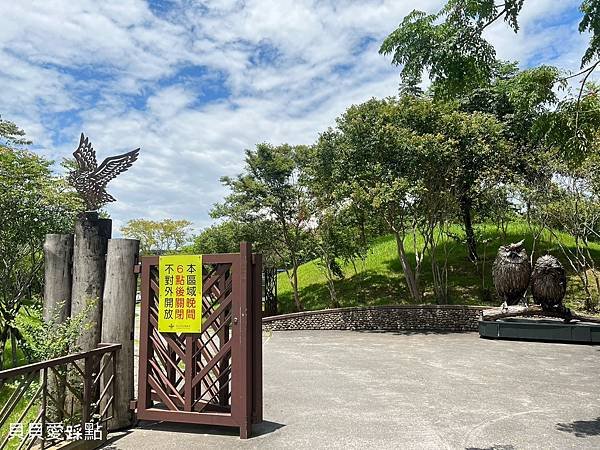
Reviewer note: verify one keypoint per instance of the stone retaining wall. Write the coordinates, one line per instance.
(401, 317)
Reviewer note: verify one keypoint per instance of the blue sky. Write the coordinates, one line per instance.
(195, 83)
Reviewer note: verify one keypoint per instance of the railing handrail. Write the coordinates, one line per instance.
(102, 349)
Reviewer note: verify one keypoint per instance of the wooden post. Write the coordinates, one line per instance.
(89, 265)
(246, 337)
(58, 265)
(118, 319)
(257, 375)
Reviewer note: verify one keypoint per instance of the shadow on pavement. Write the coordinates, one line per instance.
(581, 428)
(114, 437)
(493, 447)
(410, 332)
(259, 429)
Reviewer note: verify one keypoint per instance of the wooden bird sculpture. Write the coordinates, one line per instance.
(511, 272)
(549, 285)
(90, 180)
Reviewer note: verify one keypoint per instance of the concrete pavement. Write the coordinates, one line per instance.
(423, 391)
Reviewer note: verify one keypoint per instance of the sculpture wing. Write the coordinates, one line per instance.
(85, 155)
(113, 166)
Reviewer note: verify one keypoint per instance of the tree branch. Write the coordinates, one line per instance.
(496, 17)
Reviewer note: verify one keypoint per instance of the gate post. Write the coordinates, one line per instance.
(257, 379)
(246, 338)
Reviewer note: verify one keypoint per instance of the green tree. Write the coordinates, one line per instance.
(481, 155)
(449, 45)
(372, 159)
(336, 238)
(223, 237)
(158, 236)
(270, 196)
(338, 230)
(33, 202)
(571, 131)
(414, 162)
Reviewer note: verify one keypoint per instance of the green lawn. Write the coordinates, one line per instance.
(379, 279)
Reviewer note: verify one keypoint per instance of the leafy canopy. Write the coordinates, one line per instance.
(161, 236)
(449, 45)
(591, 23)
(33, 203)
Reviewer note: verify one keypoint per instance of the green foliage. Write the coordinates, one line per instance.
(223, 237)
(449, 45)
(33, 202)
(52, 338)
(11, 135)
(269, 198)
(412, 161)
(336, 237)
(161, 237)
(571, 130)
(590, 23)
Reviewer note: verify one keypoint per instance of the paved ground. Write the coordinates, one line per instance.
(389, 390)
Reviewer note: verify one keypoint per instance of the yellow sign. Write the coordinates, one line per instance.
(180, 299)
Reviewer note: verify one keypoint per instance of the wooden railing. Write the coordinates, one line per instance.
(61, 399)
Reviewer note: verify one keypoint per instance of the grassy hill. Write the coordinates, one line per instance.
(378, 280)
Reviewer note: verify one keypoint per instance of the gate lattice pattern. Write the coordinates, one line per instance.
(215, 376)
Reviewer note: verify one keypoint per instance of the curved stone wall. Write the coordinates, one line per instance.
(389, 318)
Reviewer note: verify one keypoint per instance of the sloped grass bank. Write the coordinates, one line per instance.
(378, 279)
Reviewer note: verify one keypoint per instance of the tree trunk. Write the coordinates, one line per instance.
(409, 275)
(58, 268)
(440, 287)
(466, 206)
(332, 294)
(331, 286)
(295, 286)
(13, 349)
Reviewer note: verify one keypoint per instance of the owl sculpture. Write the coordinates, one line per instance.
(549, 285)
(90, 180)
(511, 272)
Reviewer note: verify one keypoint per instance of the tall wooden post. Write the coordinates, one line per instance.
(89, 265)
(58, 265)
(118, 318)
(257, 313)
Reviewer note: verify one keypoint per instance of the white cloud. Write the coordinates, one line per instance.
(283, 70)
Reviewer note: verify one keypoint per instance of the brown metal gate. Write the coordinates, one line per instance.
(214, 377)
